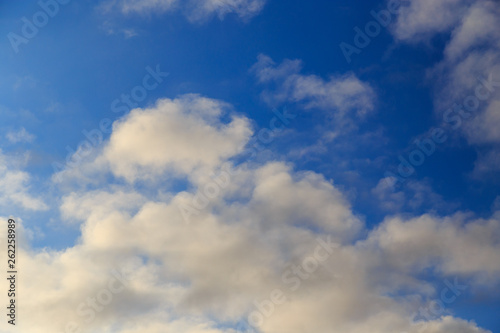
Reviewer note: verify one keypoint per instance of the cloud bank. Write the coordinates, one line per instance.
(275, 251)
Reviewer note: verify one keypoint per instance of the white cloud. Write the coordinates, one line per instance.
(453, 246)
(478, 27)
(15, 186)
(413, 195)
(486, 164)
(245, 9)
(95, 204)
(182, 135)
(20, 135)
(186, 136)
(421, 19)
(309, 200)
(389, 197)
(195, 10)
(188, 283)
(260, 228)
(141, 6)
(471, 57)
(110, 29)
(344, 96)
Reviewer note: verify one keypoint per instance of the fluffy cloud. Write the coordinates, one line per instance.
(195, 10)
(187, 136)
(95, 204)
(182, 135)
(268, 229)
(421, 19)
(197, 277)
(453, 245)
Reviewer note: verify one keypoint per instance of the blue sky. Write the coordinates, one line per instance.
(392, 150)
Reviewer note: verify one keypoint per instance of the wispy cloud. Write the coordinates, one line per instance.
(470, 65)
(345, 97)
(195, 10)
(20, 135)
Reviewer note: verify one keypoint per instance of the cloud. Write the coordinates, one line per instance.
(245, 9)
(194, 278)
(195, 10)
(467, 79)
(486, 165)
(304, 198)
(20, 136)
(15, 186)
(344, 96)
(478, 27)
(142, 6)
(187, 136)
(263, 231)
(110, 29)
(181, 135)
(413, 196)
(82, 206)
(444, 244)
(422, 19)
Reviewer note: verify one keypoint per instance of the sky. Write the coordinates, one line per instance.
(251, 166)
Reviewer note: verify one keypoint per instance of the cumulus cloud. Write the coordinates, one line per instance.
(187, 136)
(195, 278)
(139, 267)
(182, 135)
(195, 10)
(82, 206)
(447, 244)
